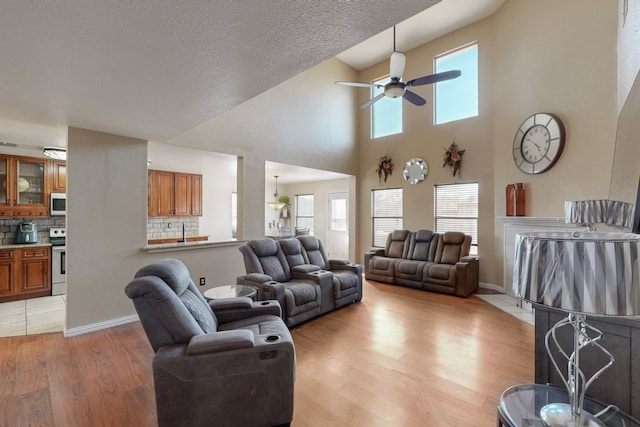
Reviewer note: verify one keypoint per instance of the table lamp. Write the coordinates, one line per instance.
(581, 273)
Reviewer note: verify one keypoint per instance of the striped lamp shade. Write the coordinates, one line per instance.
(590, 273)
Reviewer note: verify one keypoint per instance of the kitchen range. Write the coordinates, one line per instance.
(57, 237)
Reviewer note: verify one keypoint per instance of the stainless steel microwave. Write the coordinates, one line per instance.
(58, 204)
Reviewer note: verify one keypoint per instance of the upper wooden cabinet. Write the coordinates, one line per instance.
(174, 194)
(24, 190)
(58, 177)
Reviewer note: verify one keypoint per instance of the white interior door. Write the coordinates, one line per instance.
(337, 245)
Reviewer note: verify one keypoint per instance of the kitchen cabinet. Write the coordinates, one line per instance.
(58, 177)
(25, 273)
(23, 188)
(174, 194)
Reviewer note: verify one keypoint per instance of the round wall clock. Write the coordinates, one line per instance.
(538, 143)
(415, 170)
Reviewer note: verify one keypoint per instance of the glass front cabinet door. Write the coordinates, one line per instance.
(22, 187)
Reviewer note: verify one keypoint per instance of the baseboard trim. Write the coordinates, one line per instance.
(492, 286)
(94, 327)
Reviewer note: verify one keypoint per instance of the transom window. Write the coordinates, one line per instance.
(457, 99)
(456, 207)
(386, 114)
(386, 212)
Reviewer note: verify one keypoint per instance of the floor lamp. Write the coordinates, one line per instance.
(588, 273)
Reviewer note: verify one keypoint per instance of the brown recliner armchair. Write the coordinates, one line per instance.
(228, 362)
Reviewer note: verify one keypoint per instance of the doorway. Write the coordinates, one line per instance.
(337, 245)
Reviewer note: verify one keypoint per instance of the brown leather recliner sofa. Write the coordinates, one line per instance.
(427, 260)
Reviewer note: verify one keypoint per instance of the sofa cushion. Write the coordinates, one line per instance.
(450, 254)
(264, 247)
(395, 247)
(302, 292)
(423, 245)
(453, 237)
(440, 271)
(292, 251)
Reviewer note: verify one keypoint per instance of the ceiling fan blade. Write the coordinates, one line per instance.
(414, 98)
(372, 100)
(356, 84)
(435, 78)
(396, 65)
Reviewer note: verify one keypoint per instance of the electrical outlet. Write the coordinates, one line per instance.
(202, 281)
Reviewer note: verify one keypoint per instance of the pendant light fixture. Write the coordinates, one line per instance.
(276, 204)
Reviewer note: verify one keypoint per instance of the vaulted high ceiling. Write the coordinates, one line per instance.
(155, 69)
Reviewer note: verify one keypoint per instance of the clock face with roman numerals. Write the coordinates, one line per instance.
(538, 143)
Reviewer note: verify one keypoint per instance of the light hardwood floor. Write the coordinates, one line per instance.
(401, 357)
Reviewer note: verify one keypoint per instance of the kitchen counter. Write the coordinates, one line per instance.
(189, 245)
(23, 245)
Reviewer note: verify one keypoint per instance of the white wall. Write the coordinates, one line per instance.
(628, 52)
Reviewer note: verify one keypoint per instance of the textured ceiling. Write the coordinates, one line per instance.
(154, 69)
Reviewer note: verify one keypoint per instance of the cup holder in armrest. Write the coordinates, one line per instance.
(265, 303)
(272, 338)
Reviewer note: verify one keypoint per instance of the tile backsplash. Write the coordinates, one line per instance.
(8, 228)
(171, 227)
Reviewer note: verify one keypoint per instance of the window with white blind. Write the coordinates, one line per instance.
(304, 211)
(386, 213)
(456, 207)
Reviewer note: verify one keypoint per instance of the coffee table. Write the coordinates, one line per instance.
(520, 406)
(230, 291)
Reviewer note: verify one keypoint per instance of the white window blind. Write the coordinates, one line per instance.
(386, 210)
(456, 207)
(304, 211)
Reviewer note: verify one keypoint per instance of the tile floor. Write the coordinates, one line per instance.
(32, 316)
(46, 314)
(510, 305)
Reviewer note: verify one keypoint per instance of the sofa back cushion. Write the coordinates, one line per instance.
(292, 250)
(265, 256)
(423, 245)
(314, 251)
(397, 244)
(452, 246)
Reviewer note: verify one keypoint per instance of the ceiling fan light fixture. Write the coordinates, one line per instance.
(394, 90)
(58, 153)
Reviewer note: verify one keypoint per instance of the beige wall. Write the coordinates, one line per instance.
(308, 121)
(628, 52)
(534, 56)
(570, 68)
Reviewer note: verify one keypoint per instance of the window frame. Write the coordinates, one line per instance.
(373, 92)
(312, 217)
(436, 98)
(374, 217)
(474, 241)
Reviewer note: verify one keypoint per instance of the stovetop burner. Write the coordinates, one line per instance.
(57, 236)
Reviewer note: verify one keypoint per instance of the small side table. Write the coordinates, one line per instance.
(230, 291)
(520, 406)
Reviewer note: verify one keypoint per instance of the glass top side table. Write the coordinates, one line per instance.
(520, 407)
(230, 291)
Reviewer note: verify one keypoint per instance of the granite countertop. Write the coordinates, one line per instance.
(24, 245)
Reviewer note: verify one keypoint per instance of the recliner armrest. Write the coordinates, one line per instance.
(258, 308)
(257, 277)
(220, 341)
(233, 303)
(305, 268)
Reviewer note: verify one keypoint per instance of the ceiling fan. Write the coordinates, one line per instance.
(396, 87)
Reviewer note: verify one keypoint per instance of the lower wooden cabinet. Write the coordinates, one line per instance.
(25, 272)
